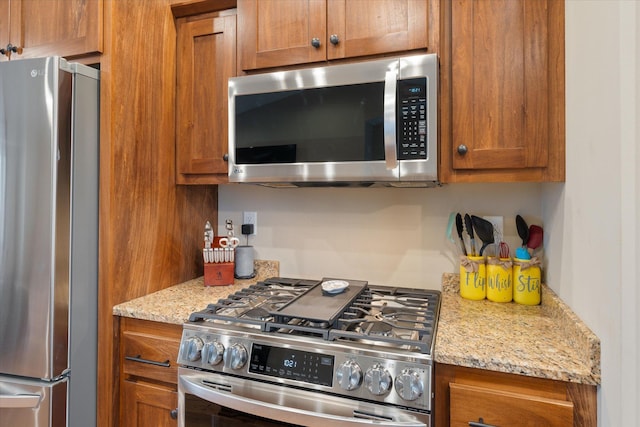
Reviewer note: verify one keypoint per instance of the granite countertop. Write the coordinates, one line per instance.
(545, 341)
(175, 304)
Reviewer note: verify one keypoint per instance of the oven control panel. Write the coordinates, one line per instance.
(312, 364)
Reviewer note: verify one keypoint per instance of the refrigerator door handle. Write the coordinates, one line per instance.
(19, 400)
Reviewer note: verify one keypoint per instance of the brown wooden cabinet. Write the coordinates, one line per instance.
(206, 58)
(53, 27)
(149, 373)
(465, 395)
(285, 32)
(502, 91)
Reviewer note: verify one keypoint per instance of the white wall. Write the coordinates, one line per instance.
(396, 236)
(593, 257)
(387, 236)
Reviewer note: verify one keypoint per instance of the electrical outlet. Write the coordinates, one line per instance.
(251, 218)
(498, 224)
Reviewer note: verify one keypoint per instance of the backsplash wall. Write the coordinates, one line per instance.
(387, 236)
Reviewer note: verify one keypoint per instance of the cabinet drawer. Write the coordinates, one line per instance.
(150, 350)
(504, 408)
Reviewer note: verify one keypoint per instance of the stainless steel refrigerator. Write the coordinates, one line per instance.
(49, 117)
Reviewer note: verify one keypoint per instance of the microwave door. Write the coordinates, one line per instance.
(325, 134)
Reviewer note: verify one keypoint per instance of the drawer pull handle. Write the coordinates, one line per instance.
(480, 423)
(137, 358)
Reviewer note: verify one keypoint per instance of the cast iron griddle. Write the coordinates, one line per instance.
(315, 306)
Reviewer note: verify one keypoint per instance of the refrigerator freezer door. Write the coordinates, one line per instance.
(35, 164)
(32, 403)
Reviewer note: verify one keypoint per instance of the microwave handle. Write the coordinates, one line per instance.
(390, 150)
(274, 410)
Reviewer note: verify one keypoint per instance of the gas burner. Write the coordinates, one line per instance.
(375, 328)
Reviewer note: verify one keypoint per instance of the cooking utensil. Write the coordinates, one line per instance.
(484, 230)
(469, 227)
(207, 251)
(536, 235)
(229, 242)
(459, 229)
(523, 230)
(504, 250)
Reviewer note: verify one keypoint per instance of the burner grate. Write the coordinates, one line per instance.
(253, 305)
(393, 317)
(397, 317)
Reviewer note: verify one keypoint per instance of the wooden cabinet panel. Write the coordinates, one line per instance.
(366, 27)
(206, 58)
(5, 31)
(150, 228)
(466, 394)
(53, 27)
(506, 87)
(150, 350)
(146, 404)
(278, 33)
(503, 408)
(148, 373)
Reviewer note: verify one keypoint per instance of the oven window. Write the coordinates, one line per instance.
(200, 413)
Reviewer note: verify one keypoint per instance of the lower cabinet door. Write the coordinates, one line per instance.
(480, 407)
(145, 404)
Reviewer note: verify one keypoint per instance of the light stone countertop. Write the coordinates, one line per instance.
(546, 341)
(175, 304)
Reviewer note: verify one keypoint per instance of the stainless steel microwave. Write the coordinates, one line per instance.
(359, 124)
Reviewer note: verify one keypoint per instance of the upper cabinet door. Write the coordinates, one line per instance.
(53, 27)
(281, 32)
(507, 89)
(365, 27)
(206, 58)
(4, 24)
(276, 33)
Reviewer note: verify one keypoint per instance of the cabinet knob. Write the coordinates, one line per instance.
(334, 39)
(462, 149)
(174, 414)
(315, 42)
(11, 49)
(225, 157)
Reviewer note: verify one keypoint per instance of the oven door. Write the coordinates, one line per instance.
(209, 399)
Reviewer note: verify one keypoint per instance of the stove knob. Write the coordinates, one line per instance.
(378, 380)
(213, 352)
(192, 349)
(349, 375)
(409, 386)
(236, 356)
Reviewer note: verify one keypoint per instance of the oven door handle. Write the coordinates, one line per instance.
(278, 410)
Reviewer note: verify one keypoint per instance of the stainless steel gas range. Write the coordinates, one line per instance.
(296, 352)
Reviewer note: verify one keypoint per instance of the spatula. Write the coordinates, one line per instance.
(523, 230)
(484, 230)
(536, 235)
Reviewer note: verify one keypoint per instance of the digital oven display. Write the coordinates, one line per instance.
(314, 368)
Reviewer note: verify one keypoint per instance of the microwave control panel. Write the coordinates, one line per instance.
(412, 119)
